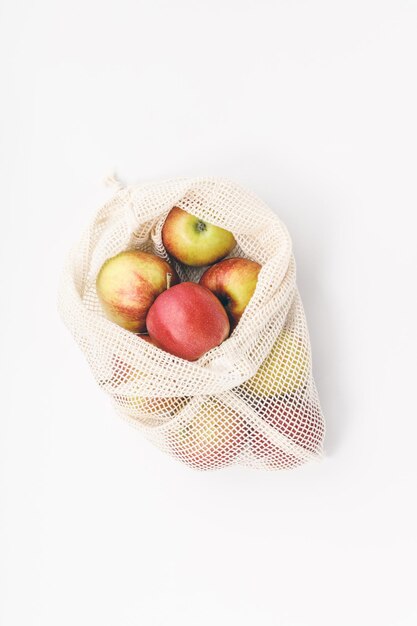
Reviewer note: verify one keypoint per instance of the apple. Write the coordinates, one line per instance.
(233, 281)
(128, 283)
(121, 371)
(212, 439)
(284, 370)
(151, 410)
(146, 338)
(298, 420)
(193, 241)
(187, 320)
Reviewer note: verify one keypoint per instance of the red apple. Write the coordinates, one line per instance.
(212, 439)
(128, 283)
(194, 241)
(148, 339)
(299, 421)
(187, 320)
(233, 281)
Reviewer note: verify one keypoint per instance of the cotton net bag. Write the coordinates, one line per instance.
(252, 400)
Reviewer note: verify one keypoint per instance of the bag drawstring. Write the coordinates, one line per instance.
(111, 180)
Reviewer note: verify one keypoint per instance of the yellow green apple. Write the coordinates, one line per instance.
(152, 409)
(194, 241)
(212, 439)
(285, 369)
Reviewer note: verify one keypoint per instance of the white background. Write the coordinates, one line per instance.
(313, 106)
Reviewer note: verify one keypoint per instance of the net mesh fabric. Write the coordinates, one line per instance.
(252, 400)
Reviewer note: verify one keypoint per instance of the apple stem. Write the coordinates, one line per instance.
(169, 277)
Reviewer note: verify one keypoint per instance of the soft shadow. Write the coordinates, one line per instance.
(326, 349)
(310, 211)
(315, 254)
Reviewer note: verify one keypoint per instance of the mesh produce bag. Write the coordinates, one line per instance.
(252, 400)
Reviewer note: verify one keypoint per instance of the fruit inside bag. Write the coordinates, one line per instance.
(224, 375)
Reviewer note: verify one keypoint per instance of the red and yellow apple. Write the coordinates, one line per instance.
(298, 420)
(212, 439)
(128, 283)
(121, 371)
(150, 409)
(284, 370)
(187, 320)
(233, 281)
(193, 241)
